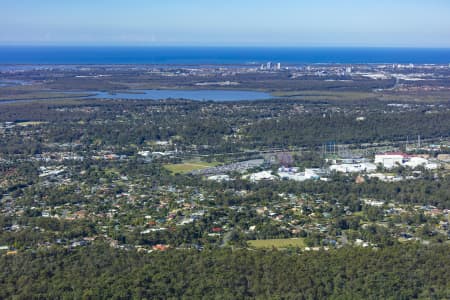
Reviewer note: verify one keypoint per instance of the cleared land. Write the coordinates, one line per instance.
(277, 243)
(189, 166)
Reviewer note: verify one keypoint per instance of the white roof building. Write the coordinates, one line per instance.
(293, 174)
(415, 162)
(219, 178)
(391, 159)
(354, 168)
(264, 175)
(394, 159)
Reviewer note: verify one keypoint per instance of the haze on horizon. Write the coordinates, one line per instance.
(345, 23)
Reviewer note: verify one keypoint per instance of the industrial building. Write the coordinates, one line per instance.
(391, 160)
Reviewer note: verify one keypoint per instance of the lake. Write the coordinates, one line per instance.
(197, 95)
(7, 83)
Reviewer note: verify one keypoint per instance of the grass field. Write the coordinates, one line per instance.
(325, 95)
(189, 166)
(277, 243)
(386, 95)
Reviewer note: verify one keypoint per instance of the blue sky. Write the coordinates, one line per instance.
(405, 23)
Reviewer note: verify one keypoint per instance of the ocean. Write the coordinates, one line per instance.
(217, 55)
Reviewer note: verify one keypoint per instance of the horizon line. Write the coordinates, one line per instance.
(226, 46)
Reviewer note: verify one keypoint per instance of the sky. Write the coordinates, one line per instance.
(276, 23)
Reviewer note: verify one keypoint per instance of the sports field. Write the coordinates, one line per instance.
(189, 166)
(277, 243)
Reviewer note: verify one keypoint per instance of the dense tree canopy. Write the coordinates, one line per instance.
(408, 272)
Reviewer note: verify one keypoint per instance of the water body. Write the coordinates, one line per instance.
(5, 83)
(217, 55)
(197, 95)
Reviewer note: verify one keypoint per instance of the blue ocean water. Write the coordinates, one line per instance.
(217, 55)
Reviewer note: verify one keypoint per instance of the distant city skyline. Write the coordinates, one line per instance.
(290, 23)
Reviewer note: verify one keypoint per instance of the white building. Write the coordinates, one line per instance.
(313, 173)
(415, 162)
(144, 153)
(372, 202)
(385, 177)
(293, 174)
(431, 166)
(354, 168)
(264, 175)
(390, 160)
(219, 178)
(393, 159)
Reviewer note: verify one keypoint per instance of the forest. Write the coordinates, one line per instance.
(99, 272)
(222, 127)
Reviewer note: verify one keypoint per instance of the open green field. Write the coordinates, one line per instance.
(385, 95)
(325, 95)
(28, 94)
(189, 166)
(277, 243)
